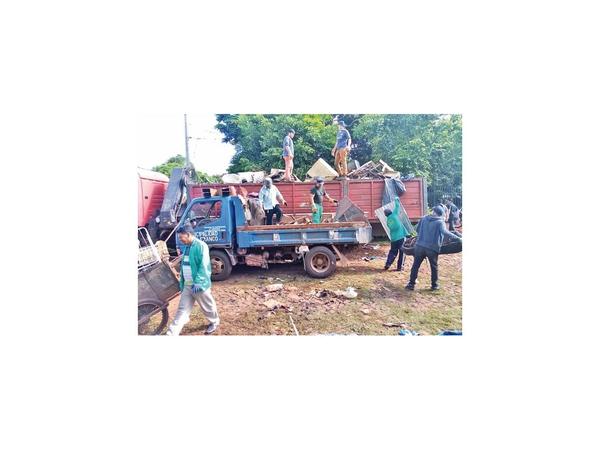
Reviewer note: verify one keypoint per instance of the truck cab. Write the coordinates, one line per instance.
(214, 220)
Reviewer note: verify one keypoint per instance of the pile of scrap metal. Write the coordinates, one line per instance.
(255, 177)
(370, 170)
(278, 174)
(243, 177)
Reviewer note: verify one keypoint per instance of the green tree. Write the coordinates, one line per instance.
(179, 161)
(258, 139)
(428, 145)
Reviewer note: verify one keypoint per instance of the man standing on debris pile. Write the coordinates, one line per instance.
(316, 199)
(431, 231)
(397, 235)
(453, 215)
(341, 149)
(269, 198)
(194, 283)
(288, 155)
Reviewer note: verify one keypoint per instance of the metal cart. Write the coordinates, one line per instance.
(158, 284)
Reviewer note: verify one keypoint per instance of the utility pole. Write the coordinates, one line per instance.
(187, 150)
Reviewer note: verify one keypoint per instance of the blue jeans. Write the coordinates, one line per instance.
(395, 249)
(422, 253)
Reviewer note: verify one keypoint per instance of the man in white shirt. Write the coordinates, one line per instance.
(269, 198)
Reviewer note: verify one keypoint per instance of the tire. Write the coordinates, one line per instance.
(319, 262)
(221, 265)
(152, 316)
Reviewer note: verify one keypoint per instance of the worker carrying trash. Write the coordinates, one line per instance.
(316, 199)
(269, 198)
(194, 283)
(341, 149)
(397, 235)
(431, 231)
(288, 155)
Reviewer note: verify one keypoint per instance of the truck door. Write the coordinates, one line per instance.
(209, 218)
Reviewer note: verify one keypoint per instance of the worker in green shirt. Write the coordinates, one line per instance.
(194, 283)
(397, 235)
(316, 199)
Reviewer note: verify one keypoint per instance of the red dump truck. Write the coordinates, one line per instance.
(366, 194)
(151, 193)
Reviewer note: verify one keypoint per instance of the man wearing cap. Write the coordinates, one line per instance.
(194, 283)
(316, 199)
(431, 231)
(269, 198)
(288, 154)
(341, 149)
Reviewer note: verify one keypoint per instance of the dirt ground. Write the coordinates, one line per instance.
(382, 306)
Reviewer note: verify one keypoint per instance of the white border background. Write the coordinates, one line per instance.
(77, 75)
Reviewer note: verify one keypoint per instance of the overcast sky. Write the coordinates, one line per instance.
(160, 136)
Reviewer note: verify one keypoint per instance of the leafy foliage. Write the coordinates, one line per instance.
(179, 161)
(428, 145)
(258, 139)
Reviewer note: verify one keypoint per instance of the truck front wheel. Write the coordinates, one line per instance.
(319, 262)
(221, 265)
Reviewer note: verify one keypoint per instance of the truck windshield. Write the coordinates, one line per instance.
(205, 210)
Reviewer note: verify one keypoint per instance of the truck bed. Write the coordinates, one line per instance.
(366, 194)
(306, 234)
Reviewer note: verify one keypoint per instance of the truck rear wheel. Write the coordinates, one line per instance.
(319, 262)
(221, 265)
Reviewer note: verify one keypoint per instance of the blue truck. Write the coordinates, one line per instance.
(221, 222)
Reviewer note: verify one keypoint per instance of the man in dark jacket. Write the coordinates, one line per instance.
(431, 231)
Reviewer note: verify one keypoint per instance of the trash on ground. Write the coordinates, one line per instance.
(372, 246)
(395, 324)
(450, 333)
(348, 293)
(274, 287)
(273, 304)
(365, 311)
(405, 332)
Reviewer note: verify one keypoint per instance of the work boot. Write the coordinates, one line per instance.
(211, 328)
(386, 267)
(410, 287)
(435, 287)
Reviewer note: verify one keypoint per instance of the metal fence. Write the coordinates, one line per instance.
(436, 192)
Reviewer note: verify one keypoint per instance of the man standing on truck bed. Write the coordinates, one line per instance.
(194, 283)
(397, 235)
(288, 155)
(269, 197)
(341, 149)
(316, 200)
(431, 231)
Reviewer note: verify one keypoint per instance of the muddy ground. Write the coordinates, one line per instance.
(382, 306)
